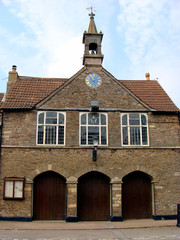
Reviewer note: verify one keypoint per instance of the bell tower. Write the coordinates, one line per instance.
(92, 44)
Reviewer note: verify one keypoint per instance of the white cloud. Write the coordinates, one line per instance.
(151, 32)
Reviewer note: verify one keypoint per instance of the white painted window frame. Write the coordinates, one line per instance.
(44, 144)
(140, 125)
(87, 125)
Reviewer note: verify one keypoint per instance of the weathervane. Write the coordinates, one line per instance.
(91, 9)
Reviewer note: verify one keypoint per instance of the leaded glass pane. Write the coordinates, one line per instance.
(61, 135)
(8, 188)
(83, 119)
(93, 133)
(83, 135)
(51, 114)
(18, 189)
(50, 137)
(93, 118)
(103, 119)
(124, 119)
(134, 119)
(125, 136)
(143, 119)
(144, 136)
(103, 136)
(135, 136)
(51, 118)
(41, 118)
(61, 118)
(40, 134)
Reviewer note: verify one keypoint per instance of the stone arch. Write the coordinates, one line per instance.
(46, 168)
(91, 169)
(143, 169)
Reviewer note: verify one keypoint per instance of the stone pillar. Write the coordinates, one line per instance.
(116, 196)
(71, 200)
(29, 199)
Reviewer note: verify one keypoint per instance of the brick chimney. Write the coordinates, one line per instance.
(13, 75)
(147, 76)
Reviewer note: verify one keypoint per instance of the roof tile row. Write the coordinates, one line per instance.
(27, 92)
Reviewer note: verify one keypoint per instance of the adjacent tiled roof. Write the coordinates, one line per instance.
(26, 92)
(1, 98)
(151, 93)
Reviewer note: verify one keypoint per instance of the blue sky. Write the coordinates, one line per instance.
(44, 38)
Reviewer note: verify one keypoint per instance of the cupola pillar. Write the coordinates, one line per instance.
(92, 44)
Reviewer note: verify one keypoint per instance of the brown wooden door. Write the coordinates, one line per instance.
(49, 196)
(136, 196)
(93, 197)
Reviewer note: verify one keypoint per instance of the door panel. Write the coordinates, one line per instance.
(49, 196)
(136, 196)
(93, 197)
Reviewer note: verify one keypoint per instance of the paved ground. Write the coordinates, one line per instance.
(127, 230)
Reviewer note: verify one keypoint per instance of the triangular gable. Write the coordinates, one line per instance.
(62, 95)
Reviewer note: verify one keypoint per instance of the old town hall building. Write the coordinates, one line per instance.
(90, 147)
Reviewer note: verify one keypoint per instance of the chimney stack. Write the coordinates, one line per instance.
(13, 75)
(14, 67)
(147, 76)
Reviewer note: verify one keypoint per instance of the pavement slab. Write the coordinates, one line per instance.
(61, 225)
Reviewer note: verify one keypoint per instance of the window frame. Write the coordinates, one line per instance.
(87, 125)
(140, 126)
(14, 180)
(48, 124)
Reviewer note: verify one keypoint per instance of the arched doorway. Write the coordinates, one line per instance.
(93, 197)
(136, 196)
(49, 196)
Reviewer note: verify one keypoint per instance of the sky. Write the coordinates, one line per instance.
(44, 39)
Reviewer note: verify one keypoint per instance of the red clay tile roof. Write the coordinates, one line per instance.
(151, 93)
(1, 97)
(26, 92)
(29, 91)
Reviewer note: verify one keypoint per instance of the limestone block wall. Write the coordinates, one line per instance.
(162, 165)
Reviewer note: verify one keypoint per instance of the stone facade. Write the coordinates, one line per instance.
(21, 156)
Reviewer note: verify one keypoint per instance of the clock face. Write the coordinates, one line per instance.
(93, 80)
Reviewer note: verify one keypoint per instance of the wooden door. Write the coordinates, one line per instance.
(49, 197)
(93, 197)
(136, 196)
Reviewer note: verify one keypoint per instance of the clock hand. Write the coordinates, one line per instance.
(92, 78)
